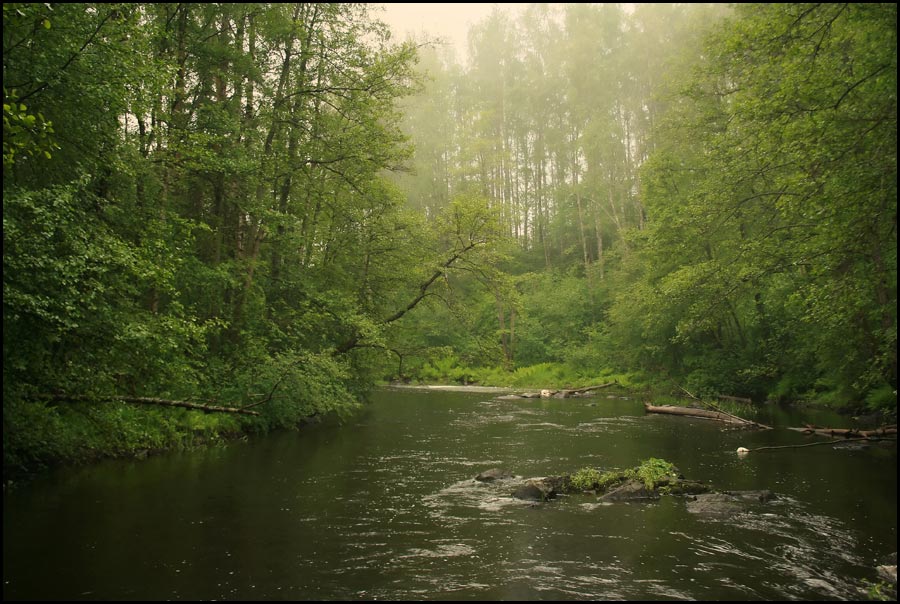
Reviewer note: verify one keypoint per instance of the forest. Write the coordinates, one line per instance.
(224, 219)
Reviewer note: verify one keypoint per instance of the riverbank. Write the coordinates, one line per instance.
(453, 388)
(562, 376)
(40, 436)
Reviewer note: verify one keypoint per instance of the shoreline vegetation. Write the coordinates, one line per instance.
(80, 432)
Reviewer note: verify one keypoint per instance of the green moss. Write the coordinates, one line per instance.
(585, 479)
(608, 479)
(591, 479)
(653, 470)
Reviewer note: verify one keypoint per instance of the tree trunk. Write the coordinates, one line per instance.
(847, 432)
(702, 413)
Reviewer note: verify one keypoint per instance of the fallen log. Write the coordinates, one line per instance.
(742, 451)
(141, 400)
(573, 391)
(566, 393)
(704, 414)
(847, 432)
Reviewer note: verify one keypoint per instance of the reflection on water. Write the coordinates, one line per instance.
(386, 507)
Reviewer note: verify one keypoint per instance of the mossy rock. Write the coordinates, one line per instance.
(632, 490)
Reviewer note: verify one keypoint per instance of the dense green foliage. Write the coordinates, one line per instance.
(199, 206)
(195, 209)
(702, 197)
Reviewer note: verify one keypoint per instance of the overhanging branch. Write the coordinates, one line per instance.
(141, 400)
(353, 342)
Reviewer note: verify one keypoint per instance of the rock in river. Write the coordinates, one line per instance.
(632, 490)
(493, 474)
(726, 503)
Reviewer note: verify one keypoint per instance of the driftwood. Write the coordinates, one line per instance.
(567, 393)
(841, 434)
(704, 414)
(815, 444)
(715, 408)
(576, 391)
(141, 400)
(847, 432)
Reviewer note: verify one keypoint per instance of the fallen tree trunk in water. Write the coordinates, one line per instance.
(574, 391)
(847, 432)
(704, 414)
(567, 393)
(743, 451)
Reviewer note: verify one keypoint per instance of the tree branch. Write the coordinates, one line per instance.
(353, 342)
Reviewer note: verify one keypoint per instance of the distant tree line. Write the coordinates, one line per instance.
(703, 195)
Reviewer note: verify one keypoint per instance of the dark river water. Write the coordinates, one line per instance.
(385, 508)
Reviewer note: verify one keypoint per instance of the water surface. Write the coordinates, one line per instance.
(384, 507)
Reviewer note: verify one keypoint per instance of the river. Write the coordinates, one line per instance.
(384, 507)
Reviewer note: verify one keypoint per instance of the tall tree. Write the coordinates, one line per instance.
(774, 206)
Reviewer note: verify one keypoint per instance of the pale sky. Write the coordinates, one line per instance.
(450, 21)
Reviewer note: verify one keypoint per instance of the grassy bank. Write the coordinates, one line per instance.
(560, 375)
(41, 436)
(542, 375)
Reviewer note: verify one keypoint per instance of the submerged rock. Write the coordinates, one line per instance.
(714, 504)
(534, 490)
(763, 496)
(493, 474)
(685, 487)
(542, 489)
(727, 502)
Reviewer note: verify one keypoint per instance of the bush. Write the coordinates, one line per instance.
(883, 398)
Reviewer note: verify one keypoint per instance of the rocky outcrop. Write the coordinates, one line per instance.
(625, 486)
